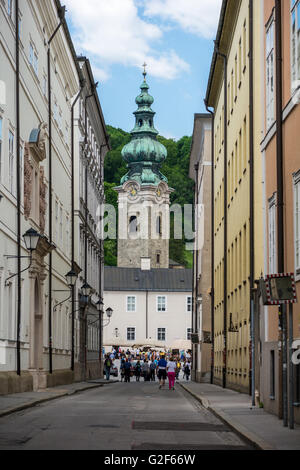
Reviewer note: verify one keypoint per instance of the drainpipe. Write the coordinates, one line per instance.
(196, 270)
(61, 14)
(212, 300)
(280, 209)
(82, 84)
(19, 279)
(252, 222)
(224, 57)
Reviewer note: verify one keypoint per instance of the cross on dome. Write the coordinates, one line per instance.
(144, 73)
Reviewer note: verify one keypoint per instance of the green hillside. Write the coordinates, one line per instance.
(176, 169)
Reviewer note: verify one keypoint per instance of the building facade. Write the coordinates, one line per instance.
(233, 89)
(281, 162)
(201, 173)
(92, 144)
(150, 307)
(40, 79)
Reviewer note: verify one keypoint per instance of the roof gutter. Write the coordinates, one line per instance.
(215, 54)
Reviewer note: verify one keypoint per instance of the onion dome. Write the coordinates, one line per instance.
(144, 154)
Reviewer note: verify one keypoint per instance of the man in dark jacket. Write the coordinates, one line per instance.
(127, 369)
(107, 366)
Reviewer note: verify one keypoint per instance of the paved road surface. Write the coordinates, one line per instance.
(120, 416)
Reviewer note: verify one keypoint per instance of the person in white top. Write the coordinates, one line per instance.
(171, 369)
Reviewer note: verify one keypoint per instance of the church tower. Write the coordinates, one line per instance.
(144, 194)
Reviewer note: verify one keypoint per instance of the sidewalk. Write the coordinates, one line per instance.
(260, 428)
(21, 401)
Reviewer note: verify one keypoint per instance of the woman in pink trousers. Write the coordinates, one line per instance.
(171, 369)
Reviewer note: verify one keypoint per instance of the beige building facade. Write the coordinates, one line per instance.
(201, 173)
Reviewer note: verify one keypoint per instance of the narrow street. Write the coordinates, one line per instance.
(120, 416)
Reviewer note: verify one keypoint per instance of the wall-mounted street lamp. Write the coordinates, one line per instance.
(31, 239)
(71, 278)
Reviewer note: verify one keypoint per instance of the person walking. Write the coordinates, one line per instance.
(187, 370)
(138, 369)
(171, 370)
(162, 371)
(107, 365)
(178, 369)
(122, 369)
(152, 371)
(146, 370)
(127, 369)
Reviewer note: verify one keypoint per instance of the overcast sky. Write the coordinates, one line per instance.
(174, 37)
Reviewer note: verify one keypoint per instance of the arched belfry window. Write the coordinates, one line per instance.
(140, 123)
(133, 227)
(159, 225)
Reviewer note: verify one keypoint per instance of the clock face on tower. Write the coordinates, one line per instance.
(133, 191)
(158, 192)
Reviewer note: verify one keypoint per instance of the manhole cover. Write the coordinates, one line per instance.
(106, 426)
(173, 426)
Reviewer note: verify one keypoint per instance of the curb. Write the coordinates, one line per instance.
(31, 404)
(238, 428)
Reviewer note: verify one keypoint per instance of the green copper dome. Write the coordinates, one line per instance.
(144, 155)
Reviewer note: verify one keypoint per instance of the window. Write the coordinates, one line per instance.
(9, 8)
(272, 235)
(11, 161)
(189, 304)
(56, 221)
(161, 334)
(297, 221)
(45, 85)
(130, 334)
(189, 334)
(159, 225)
(131, 303)
(295, 47)
(161, 304)
(157, 258)
(1, 137)
(33, 58)
(133, 224)
(61, 225)
(270, 66)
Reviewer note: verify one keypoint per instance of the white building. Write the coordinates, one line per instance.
(92, 144)
(149, 306)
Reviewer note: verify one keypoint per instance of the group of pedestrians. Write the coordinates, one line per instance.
(161, 367)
